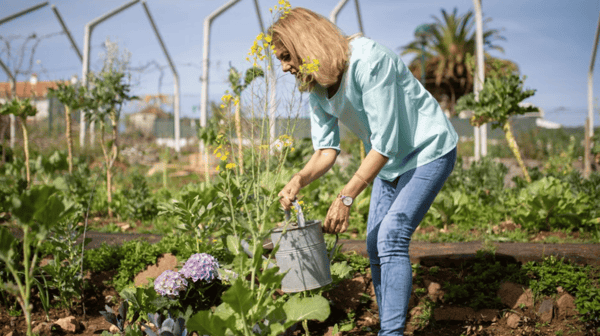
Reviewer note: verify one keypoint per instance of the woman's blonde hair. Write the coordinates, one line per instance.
(309, 36)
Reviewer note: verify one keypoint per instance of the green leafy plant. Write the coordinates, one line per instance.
(499, 99)
(64, 270)
(103, 258)
(169, 326)
(116, 318)
(21, 109)
(36, 210)
(136, 255)
(109, 92)
(479, 287)
(546, 276)
(549, 203)
(136, 201)
(73, 98)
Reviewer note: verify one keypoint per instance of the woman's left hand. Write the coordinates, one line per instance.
(337, 219)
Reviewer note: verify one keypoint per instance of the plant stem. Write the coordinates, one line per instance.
(305, 326)
(238, 130)
(26, 149)
(69, 138)
(25, 288)
(514, 147)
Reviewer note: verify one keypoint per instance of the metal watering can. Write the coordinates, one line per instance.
(302, 253)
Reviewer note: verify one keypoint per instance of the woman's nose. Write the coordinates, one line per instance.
(285, 66)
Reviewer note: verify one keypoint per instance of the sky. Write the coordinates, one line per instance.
(550, 40)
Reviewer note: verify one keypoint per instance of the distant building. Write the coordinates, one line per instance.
(37, 92)
(145, 119)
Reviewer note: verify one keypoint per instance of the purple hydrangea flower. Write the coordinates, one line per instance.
(170, 283)
(200, 266)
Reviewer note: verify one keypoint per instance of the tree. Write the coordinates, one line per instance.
(73, 99)
(450, 39)
(498, 101)
(21, 109)
(21, 61)
(108, 92)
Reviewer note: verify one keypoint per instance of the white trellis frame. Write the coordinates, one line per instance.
(11, 77)
(203, 150)
(479, 132)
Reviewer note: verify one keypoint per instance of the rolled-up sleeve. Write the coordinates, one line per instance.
(382, 101)
(324, 127)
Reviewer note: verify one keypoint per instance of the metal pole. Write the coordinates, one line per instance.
(175, 75)
(23, 12)
(67, 32)
(336, 10)
(84, 72)
(360, 25)
(591, 82)
(260, 21)
(334, 13)
(423, 62)
(13, 92)
(86, 62)
(272, 84)
(204, 94)
(479, 79)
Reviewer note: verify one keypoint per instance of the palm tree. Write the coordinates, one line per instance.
(450, 39)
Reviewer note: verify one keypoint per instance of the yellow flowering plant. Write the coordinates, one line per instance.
(249, 209)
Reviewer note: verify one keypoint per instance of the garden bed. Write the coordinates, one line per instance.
(448, 298)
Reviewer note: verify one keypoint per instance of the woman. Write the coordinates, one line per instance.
(411, 145)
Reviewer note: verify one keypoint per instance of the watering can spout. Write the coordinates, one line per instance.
(299, 214)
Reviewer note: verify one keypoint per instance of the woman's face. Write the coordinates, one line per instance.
(284, 56)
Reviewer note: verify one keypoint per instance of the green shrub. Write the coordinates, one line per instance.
(550, 203)
(579, 281)
(135, 201)
(478, 289)
(135, 256)
(104, 258)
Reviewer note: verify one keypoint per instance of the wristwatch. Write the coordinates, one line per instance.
(347, 200)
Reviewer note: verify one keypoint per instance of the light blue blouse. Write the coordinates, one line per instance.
(386, 107)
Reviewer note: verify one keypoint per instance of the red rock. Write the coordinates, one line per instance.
(513, 320)
(434, 291)
(513, 295)
(566, 306)
(545, 311)
(165, 262)
(68, 324)
(42, 329)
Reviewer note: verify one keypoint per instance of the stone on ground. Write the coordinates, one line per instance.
(68, 324)
(566, 306)
(166, 262)
(513, 320)
(513, 295)
(545, 311)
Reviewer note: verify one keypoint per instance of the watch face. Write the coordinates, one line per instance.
(347, 200)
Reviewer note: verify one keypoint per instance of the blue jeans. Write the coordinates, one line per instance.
(396, 210)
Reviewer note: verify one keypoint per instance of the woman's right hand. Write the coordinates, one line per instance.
(289, 192)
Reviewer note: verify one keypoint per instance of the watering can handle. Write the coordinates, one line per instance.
(300, 215)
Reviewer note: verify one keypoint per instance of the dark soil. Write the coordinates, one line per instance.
(98, 293)
(352, 305)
